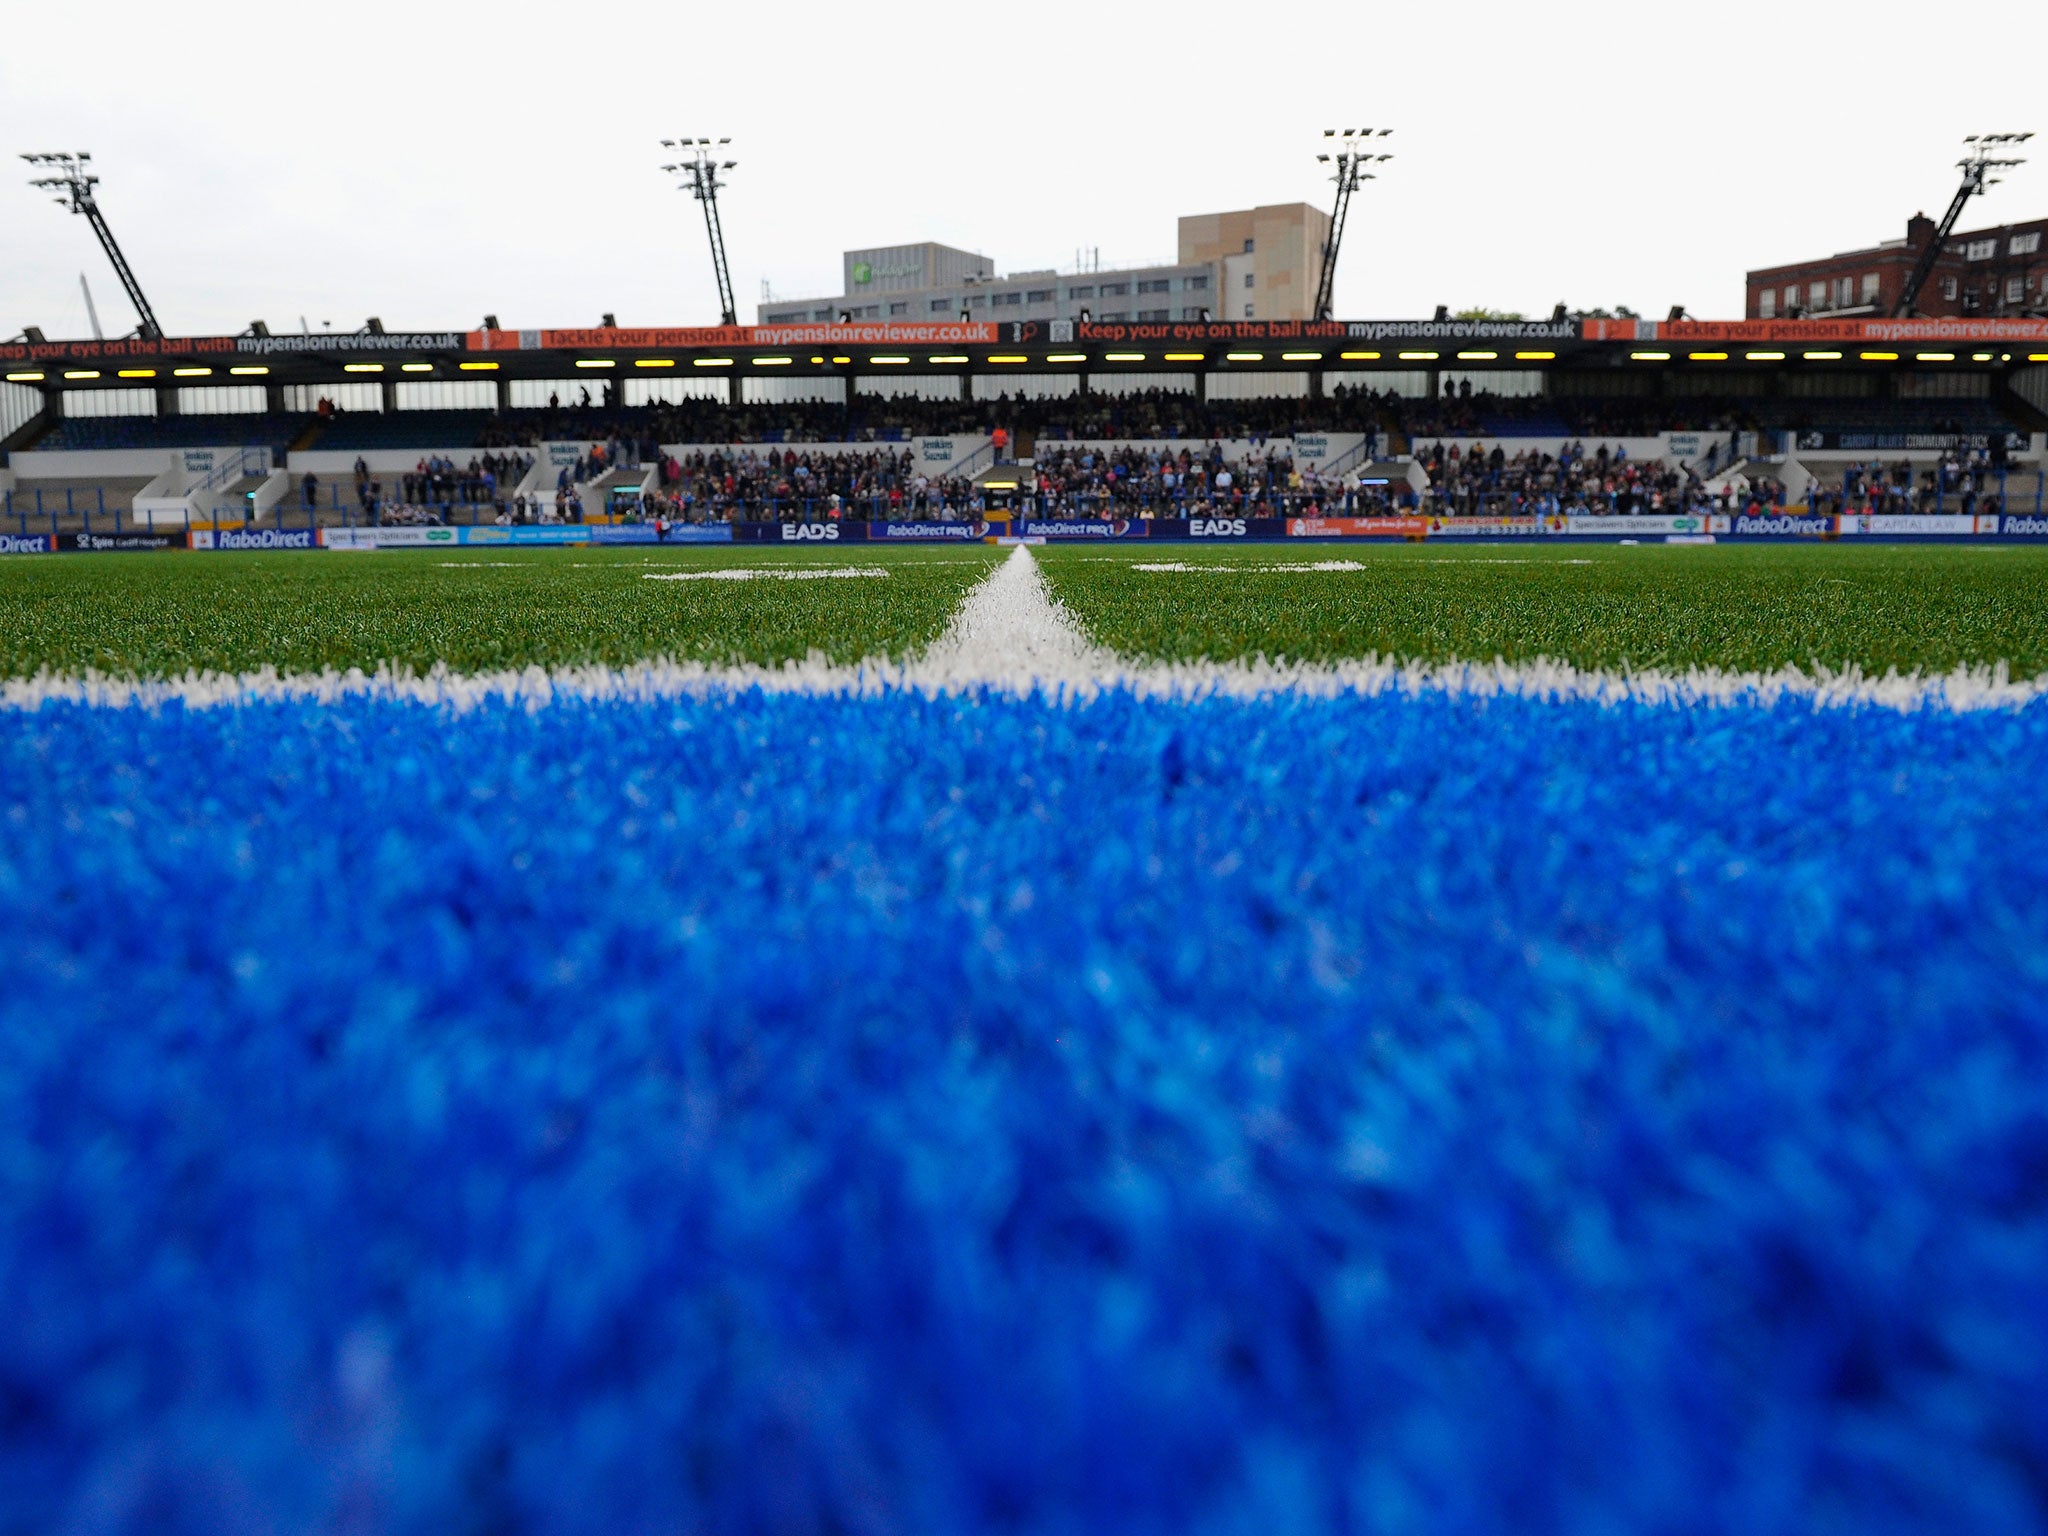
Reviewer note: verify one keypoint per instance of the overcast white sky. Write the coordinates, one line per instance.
(428, 162)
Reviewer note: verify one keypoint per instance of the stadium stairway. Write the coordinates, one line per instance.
(596, 494)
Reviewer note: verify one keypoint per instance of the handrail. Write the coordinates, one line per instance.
(972, 465)
(226, 471)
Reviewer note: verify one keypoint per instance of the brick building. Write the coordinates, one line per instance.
(1987, 272)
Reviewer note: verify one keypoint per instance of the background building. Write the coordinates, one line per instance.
(1271, 258)
(1252, 264)
(1988, 272)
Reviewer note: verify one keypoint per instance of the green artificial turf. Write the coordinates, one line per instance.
(156, 615)
(1921, 607)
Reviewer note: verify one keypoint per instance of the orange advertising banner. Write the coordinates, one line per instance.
(703, 338)
(1869, 331)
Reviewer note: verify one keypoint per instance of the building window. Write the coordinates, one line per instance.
(1197, 284)
(1980, 250)
(1249, 279)
(1119, 315)
(1145, 315)
(1080, 293)
(1009, 298)
(1948, 289)
(976, 300)
(1844, 292)
(1817, 295)
(2025, 245)
(1767, 303)
(1115, 290)
(821, 314)
(1247, 311)
(1191, 312)
(1247, 247)
(1870, 287)
(2015, 290)
(789, 319)
(940, 306)
(1791, 297)
(1156, 285)
(1041, 296)
(899, 309)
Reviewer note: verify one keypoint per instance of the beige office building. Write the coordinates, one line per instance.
(1271, 258)
(1254, 264)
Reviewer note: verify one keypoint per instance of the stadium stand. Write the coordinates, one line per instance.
(276, 432)
(74, 502)
(357, 431)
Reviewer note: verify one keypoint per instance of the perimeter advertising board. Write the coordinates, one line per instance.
(1914, 525)
(388, 538)
(27, 543)
(898, 533)
(1084, 528)
(1357, 527)
(1484, 527)
(103, 543)
(675, 533)
(800, 533)
(1775, 526)
(1625, 526)
(538, 534)
(254, 538)
(1213, 528)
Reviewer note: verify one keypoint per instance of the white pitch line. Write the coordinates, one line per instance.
(1011, 636)
(780, 573)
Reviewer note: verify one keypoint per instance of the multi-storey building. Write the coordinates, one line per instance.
(1253, 264)
(1986, 272)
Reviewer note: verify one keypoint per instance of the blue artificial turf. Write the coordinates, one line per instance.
(901, 1115)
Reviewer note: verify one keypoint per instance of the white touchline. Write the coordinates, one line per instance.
(744, 573)
(1011, 636)
(1178, 567)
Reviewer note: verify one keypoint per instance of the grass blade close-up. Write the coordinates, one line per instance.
(1393, 1114)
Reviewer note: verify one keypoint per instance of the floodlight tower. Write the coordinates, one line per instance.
(1350, 152)
(71, 177)
(1987, 152)
(700, 173)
